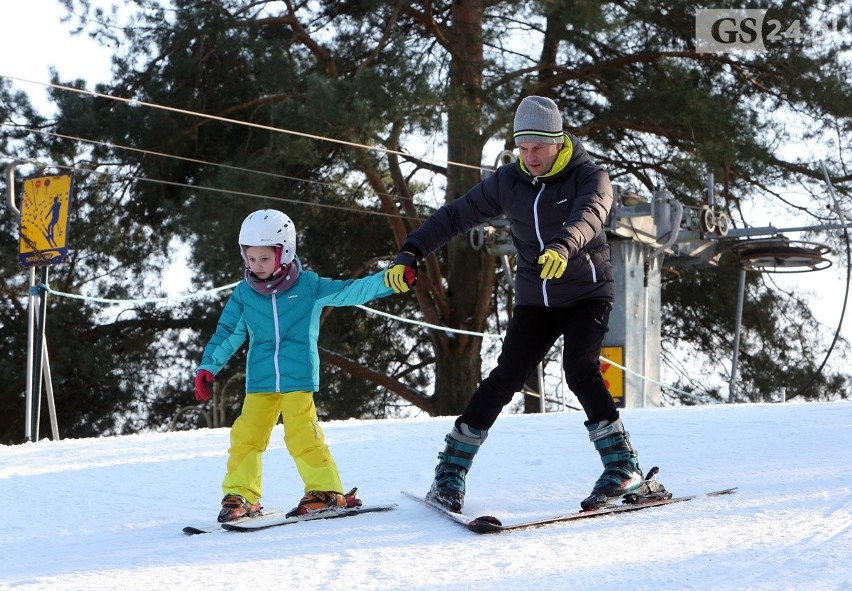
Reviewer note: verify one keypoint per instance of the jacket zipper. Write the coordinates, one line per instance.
(277, 343)
(540, 241)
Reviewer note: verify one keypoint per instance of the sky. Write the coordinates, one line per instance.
(32, 40)
(107, 513)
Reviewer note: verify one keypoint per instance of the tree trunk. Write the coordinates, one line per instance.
(470, 273)
(457, 373)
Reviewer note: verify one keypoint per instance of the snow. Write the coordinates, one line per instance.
(107, 513)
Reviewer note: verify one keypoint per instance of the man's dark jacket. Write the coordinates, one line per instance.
(564, 209)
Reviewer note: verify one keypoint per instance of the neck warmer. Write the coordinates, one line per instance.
(279, 282)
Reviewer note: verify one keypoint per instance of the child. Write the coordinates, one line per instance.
(278, 308)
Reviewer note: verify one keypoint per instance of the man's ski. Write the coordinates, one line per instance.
(192, 530)
(459, 518)
(489, 524)
(267, 521)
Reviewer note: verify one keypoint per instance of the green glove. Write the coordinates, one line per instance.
(402, 274)
(553, 264)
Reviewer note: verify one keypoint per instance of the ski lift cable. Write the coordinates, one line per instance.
(842, 217)
(138, 103)
(179, 158)
(227, 192)
(448, 330)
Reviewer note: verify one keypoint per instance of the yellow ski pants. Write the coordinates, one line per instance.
(302, 436)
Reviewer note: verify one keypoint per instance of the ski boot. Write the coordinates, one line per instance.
(622, 474)
(236, 507)
(316, 500)
(455, 461)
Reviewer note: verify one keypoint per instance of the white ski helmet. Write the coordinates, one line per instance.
(270, 227)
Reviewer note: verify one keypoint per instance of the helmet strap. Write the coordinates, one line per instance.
(278, 250)
(279, 268)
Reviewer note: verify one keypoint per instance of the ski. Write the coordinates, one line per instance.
(192, 530)
(459, 518)
(267, 521)
(489, 524)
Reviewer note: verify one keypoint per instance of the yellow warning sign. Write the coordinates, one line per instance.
(613, 375)
(44, 220)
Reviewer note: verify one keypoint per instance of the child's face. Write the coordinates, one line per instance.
(261, 260)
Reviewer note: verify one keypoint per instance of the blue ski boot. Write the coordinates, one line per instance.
(622, 474)
(455, 461)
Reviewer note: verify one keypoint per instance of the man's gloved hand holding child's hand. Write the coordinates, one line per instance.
(402, 274)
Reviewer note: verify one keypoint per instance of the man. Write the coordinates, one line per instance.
(556, 200)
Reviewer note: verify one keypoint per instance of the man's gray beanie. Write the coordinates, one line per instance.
(538, 120)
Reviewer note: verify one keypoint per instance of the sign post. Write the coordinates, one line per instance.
(44, 214)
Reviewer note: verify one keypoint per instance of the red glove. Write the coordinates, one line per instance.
(203, 379)
(411, 275)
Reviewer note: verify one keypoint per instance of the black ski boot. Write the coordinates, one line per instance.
(622, 474)
(455, 461)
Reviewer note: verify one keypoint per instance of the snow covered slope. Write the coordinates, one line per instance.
(107, 513)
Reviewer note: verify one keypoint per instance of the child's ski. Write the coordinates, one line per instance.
(192, 530)
(267, 521)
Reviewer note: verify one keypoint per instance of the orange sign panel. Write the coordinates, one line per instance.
(613, 375)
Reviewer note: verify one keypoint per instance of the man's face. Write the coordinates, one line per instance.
(538, 156)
